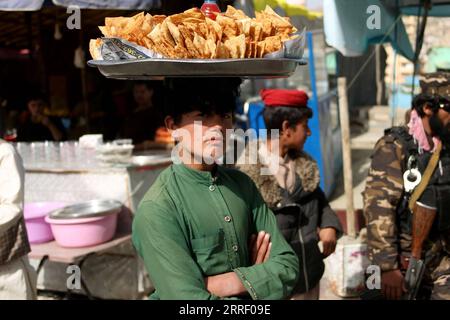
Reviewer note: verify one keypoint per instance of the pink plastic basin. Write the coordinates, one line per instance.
(83, 232)
(38, 229)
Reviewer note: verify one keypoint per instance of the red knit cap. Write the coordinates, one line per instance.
(284, 98)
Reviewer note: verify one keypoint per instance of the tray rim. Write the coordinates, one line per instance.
(96, 63)
(106, 68)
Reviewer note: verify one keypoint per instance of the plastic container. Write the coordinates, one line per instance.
(346, 268)
(210, 8)
(83, 232)
(111, 152)
(38, 230)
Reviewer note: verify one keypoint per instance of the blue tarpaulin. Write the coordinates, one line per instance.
(33, 5)
(346, 23)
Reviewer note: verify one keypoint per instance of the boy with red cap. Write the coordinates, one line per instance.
(292, 188)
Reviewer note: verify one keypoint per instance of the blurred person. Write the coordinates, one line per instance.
(35, 125)
(144, 120)
(292, 189)
(102, 117)
(8, 120)
(3, 115)
(17, 277)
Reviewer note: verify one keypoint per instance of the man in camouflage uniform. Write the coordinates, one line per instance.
(385, 206)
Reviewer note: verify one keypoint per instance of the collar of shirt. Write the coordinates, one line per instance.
(283, 169)
(198, 176)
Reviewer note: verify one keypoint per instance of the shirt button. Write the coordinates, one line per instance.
(227, 218)
(212, 187)
(235, 248)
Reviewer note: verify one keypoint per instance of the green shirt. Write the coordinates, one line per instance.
(193, 224)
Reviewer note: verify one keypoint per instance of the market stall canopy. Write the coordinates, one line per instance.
(24, 20)
(20, 28)
(440, 8)
(351, 26)
(310, 9)
(34, 5)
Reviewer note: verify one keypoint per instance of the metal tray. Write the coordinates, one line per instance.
(94, 208)
(150, 160)
(142, 69)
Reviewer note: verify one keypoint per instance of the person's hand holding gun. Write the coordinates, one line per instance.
(393, 284)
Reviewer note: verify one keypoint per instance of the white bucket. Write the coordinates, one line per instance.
(346, 268)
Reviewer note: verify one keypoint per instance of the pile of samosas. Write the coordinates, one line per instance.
(192, 35)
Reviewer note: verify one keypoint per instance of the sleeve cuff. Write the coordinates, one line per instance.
(332, 222)
(251, 290)
(387, 265)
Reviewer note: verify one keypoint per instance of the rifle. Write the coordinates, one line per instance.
(423, 218)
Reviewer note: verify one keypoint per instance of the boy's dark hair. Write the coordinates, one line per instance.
(35, 96)
(207, 95)
(150, 85)
(274, 116)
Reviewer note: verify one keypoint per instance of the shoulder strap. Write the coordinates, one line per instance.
(407, 141)
(432, 164)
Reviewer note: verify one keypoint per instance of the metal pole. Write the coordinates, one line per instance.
(84, 89)
(347, 155)
(394, 91)
(378, 73)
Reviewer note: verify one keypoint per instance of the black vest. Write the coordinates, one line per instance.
(439, 183)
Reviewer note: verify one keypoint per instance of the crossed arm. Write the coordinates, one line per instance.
(171, 268)
(228, 284)
(162, 240)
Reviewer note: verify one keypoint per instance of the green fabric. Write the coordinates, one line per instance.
(182, 232)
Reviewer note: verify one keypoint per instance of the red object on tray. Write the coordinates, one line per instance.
(210, 9)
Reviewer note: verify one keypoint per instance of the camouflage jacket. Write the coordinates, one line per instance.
(388, 230)
(383, 192)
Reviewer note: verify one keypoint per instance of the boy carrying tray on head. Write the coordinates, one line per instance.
(195, 228)
(292, 188)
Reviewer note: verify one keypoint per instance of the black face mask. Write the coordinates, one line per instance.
(439, 130)
(446, 136)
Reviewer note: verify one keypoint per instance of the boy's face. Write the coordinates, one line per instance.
(295, 138)
(142, 95)
(36, 106)
(201, 135)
